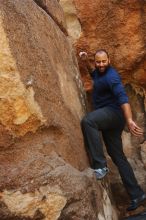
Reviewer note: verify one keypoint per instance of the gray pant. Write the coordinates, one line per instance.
(111, 124)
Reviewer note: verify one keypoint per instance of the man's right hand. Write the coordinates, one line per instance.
(83, 55)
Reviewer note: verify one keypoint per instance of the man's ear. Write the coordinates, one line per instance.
(109, 61)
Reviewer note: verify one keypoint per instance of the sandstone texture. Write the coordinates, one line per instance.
(140, 216)
(53, 9)
(43, 163)
(62, 193)
(73, 24)
(41, 102)
(120, 28)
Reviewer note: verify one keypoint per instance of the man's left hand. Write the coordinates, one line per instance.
(134, 128)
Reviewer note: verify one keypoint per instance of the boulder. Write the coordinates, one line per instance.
(43, 163)
(59, 192)
(41, 95)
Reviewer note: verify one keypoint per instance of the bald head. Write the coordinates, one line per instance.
(102, 51)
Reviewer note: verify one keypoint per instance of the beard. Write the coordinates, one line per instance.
(102, 69)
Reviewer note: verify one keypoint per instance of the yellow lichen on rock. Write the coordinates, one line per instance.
(48, 203)
(19, 111)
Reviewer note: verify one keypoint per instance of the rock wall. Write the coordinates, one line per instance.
(38, 88)
(120, 28)
(62, 193)
(43, 163)
(117, 26)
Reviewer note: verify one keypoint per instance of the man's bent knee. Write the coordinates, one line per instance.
(87, 120)
(84, 120)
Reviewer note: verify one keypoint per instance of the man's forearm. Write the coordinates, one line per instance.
(89, 67)
(84, 57)
(127, 111)
(133, 127)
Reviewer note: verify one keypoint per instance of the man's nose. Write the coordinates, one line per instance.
(101, 64)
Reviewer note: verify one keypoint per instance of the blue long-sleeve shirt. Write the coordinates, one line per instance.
(108, 89)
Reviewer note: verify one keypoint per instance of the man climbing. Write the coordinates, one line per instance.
(111, 112)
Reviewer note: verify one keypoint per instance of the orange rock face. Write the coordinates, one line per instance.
(40, 93)
(42, 156)
(119, 27)
(42, 102)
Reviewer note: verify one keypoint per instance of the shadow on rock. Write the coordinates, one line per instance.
(140, 216)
